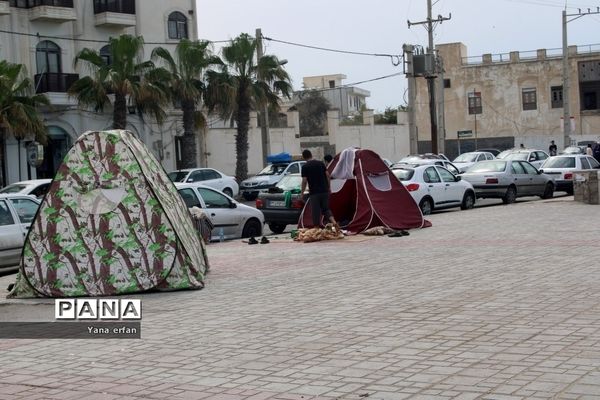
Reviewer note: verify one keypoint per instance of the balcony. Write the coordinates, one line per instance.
(119, 13)
(54, 82)
(4, 7)
(51, 10)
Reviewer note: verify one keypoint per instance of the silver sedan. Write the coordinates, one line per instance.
(508, 179)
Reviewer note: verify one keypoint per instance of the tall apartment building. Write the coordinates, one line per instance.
(348, 99)
(508, 99)
(61, 28)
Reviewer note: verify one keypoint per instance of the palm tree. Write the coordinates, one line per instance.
(242, 85)
(186, 73)
(19, 115)
(123, 74)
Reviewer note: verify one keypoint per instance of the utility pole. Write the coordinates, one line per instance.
(431, 75)
(264, 126)
(565, 71)
(441, 122)
(412, 128)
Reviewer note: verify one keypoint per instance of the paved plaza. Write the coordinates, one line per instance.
(499, 302)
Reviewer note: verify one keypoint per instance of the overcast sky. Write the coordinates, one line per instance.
(379, 26)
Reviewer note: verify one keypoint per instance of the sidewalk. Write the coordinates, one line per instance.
(498, 302)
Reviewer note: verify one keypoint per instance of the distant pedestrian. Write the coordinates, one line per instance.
(522, 147)
(328, 159)
(552, 148)
(588, 150)
(316, 176)
(596, 151)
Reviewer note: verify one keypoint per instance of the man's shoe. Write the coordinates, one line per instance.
(264, 240)
(252, 240)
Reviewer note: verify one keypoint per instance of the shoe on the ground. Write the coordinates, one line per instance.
(252, 240)
(264, 240)
(396, 234)
(404, 233)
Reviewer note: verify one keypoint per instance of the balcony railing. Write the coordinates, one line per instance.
(54, 82)
(118, 6)
(39, 3)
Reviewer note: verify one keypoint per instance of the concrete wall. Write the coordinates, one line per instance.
(500, 79)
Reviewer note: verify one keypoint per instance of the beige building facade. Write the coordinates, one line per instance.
(45, 36)
(349, 100)
(514, 98)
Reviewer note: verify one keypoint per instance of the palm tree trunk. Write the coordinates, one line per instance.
(241, 140)
(188, 141)
(119, 111)
(2, 166)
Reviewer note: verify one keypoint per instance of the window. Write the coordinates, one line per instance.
(481, 157)
(331, 84)
(585, 164)
(541, 155)
(431, 175)
(294, 169)
(197, 176)
(177, 26)
(213, 199)
(40, 191)
(452, 168)
(517, 168)
(211, 174)
(533, 157)
(5, 215)
(189, 198)
(529, 98)
(590, 101)
(116, 6)
(105, 54)
(589, 84)
(529, 169)
(556, 95)
(447, 84)
(475, 103)
(26, 209)
(47, 57)
(593, 162)
(446, 175)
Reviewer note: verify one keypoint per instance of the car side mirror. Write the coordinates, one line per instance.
(457, 178)
(540, 171)
(232, 205)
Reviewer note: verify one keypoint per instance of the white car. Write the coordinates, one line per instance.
(434, 187)
(465, 160)
(209, 177)
(235, 219)
(268, 177)
(36, 187)
(535, 157)
(427, 161)
(560, 169)
(16, 213)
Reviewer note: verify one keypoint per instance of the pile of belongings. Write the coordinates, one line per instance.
(202, 223)
(330, 232)
(384, 230)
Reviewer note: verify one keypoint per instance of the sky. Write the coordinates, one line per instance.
(379, 26)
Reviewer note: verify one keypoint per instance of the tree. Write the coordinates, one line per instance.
(185, 73)
(242, 85)
(123, 74)
(389, 116)
(19, 115)
(312, 109)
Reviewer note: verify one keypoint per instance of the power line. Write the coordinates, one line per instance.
(353, 84)
(38, 35)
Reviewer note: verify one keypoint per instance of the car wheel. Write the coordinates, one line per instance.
(228, 192)
(252, 229)
(548, 191)
(510, 196)
(426, 206)
(468, 201)
(277, 228)
(249, 196)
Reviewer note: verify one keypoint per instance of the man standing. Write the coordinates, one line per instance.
(316, 176)
(552, 148)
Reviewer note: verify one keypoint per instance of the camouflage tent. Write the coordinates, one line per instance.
(111, 223)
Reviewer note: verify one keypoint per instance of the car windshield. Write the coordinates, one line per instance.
(177, 176)
(409, 159)
(290, 182)
(560, 162)
(487, 166)
(466, 157)
(517, 156)
(403, 174)
(14, 188)
(273, 169)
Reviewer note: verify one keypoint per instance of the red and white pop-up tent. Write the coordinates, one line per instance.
(366, 194)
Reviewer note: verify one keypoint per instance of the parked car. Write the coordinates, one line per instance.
(574, 150)
(434, 187)
(560, 169)
(418, 157)
(535, 157)
(426, 161)
(209, 177)
(280, 208)
(268, 177)
(16, 213)
(237, 220)
(508, 179)
(36, 187)
(494, 152)
(465, 160)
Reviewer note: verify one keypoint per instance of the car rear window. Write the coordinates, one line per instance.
(290, 182)
(177, 176)
(560, 162)
(487, 166)
(404, 174)
(517, 156)
(13, 188)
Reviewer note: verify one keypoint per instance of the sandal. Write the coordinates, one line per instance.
(264, 240)
(252, 240)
